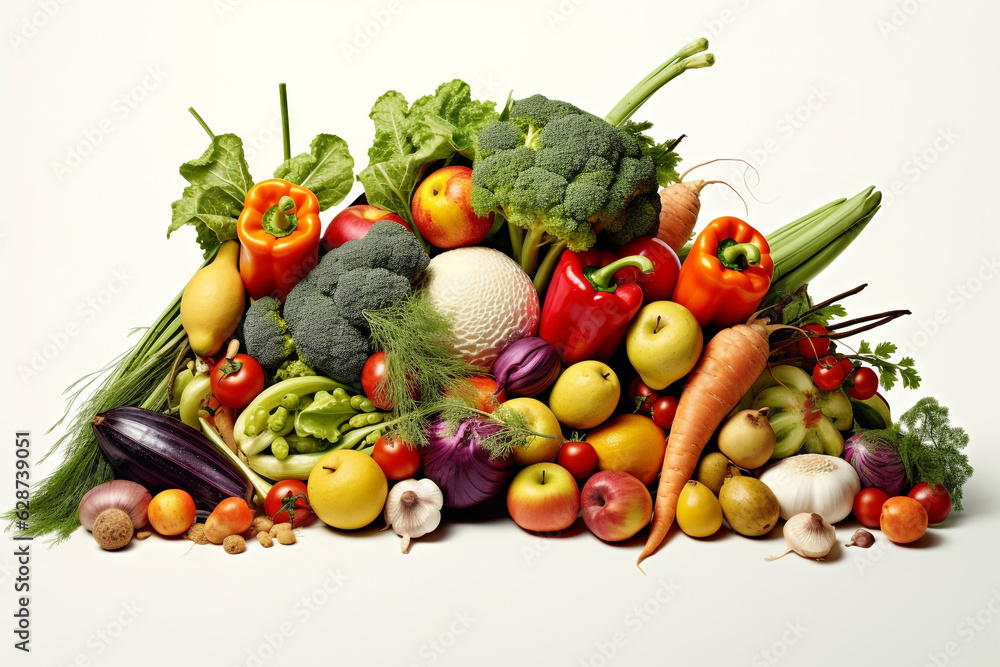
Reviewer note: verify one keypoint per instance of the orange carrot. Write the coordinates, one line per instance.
(729, 365)
(680, 205)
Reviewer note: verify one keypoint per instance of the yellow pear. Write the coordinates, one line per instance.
(213, 301)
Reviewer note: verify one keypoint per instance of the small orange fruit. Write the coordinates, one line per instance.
(171, 512)
(632, 443)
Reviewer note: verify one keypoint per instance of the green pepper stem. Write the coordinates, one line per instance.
(201, 122)
(748, 251)
(285, 136)
(285, 205)
(602, 277)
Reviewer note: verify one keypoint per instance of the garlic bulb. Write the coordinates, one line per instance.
(811, 483)
(413, 508)
(808, 535)
(131, 498)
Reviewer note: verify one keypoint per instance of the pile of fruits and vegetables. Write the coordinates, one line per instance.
(523, 304)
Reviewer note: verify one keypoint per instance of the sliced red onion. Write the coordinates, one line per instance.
(458, 464)
(878, 463)
(527, 367)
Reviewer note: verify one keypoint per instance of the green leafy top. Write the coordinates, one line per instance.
(407, 138)
(931, 449)
(219, 181)
(887, 370)
(799, 310)
(327, 170)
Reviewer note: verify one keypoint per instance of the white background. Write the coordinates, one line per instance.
(826, 98)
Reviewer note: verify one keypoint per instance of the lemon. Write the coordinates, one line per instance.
(213, 301)
(632, 443)
(699, 513)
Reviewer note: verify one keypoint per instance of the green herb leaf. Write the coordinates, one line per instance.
(884, 350)
(327, 170)
(665, 159)
(219, 181)
(864, 348)
(408, 138)
(931, 448)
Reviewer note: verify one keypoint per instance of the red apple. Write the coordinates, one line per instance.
(442, 210)
(616, 505)
(544, 497)
(353, 223)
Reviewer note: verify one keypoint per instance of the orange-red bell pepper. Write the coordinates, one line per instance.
(279, 232)
(726, 273)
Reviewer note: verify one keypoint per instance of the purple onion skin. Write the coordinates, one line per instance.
(527, 367)
(161, 452)
(460, 466)
(877, 462)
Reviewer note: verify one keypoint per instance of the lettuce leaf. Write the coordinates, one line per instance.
(408, 138)
(327, 169)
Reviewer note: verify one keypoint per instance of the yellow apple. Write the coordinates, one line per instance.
(539, 419)
(347, 489)
(663, 343)
(585, 395)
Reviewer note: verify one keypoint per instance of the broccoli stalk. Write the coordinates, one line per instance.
(560, 176)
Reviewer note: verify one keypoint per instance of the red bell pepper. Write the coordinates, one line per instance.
(592, 298)
(658, 285)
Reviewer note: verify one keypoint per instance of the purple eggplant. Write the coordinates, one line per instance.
(161, 452)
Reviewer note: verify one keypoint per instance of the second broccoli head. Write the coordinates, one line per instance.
(554, 168)
(322, 319)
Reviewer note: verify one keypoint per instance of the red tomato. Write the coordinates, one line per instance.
(865, 383)
(396, 458)
(664, 410)
(284, 495)
(812, 347)
(868, 506)
(641, 397)
(373, 380)
(830, 373)
(237, 381)
(580, 458)
(658, 285)
(935, 499)
(903, 520)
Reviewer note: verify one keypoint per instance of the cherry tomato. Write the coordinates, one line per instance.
(373, 380)
(935, 499)
(579, 457)
(865, 383)
(396, 458)
(236, 381)
(903, 520)
(830, 373)
(868, 506)
(812, 347)
(641, 397)
(284, 495)
(664, 410)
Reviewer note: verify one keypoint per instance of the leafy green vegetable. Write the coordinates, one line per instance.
(408, 138)
(219, 181)
(799, 310)
(887, 370)
(931, 448)
(327, 169)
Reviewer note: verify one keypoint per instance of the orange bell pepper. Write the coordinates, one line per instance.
(726, 273)
(279, 232)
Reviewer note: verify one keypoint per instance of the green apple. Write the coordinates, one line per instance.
(663, 343)
(544, 497)
(538, 418)
(585, 395)
(347, 489)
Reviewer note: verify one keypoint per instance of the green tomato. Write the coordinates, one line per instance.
(195, 394)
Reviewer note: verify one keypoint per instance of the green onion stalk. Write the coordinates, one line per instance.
(141, 378)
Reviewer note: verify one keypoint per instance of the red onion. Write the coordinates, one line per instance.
(526, 367)
(460, 466)
(877, 461)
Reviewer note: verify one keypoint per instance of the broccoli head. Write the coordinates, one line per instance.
(563, 174)
(265, 333)
(323, 318)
